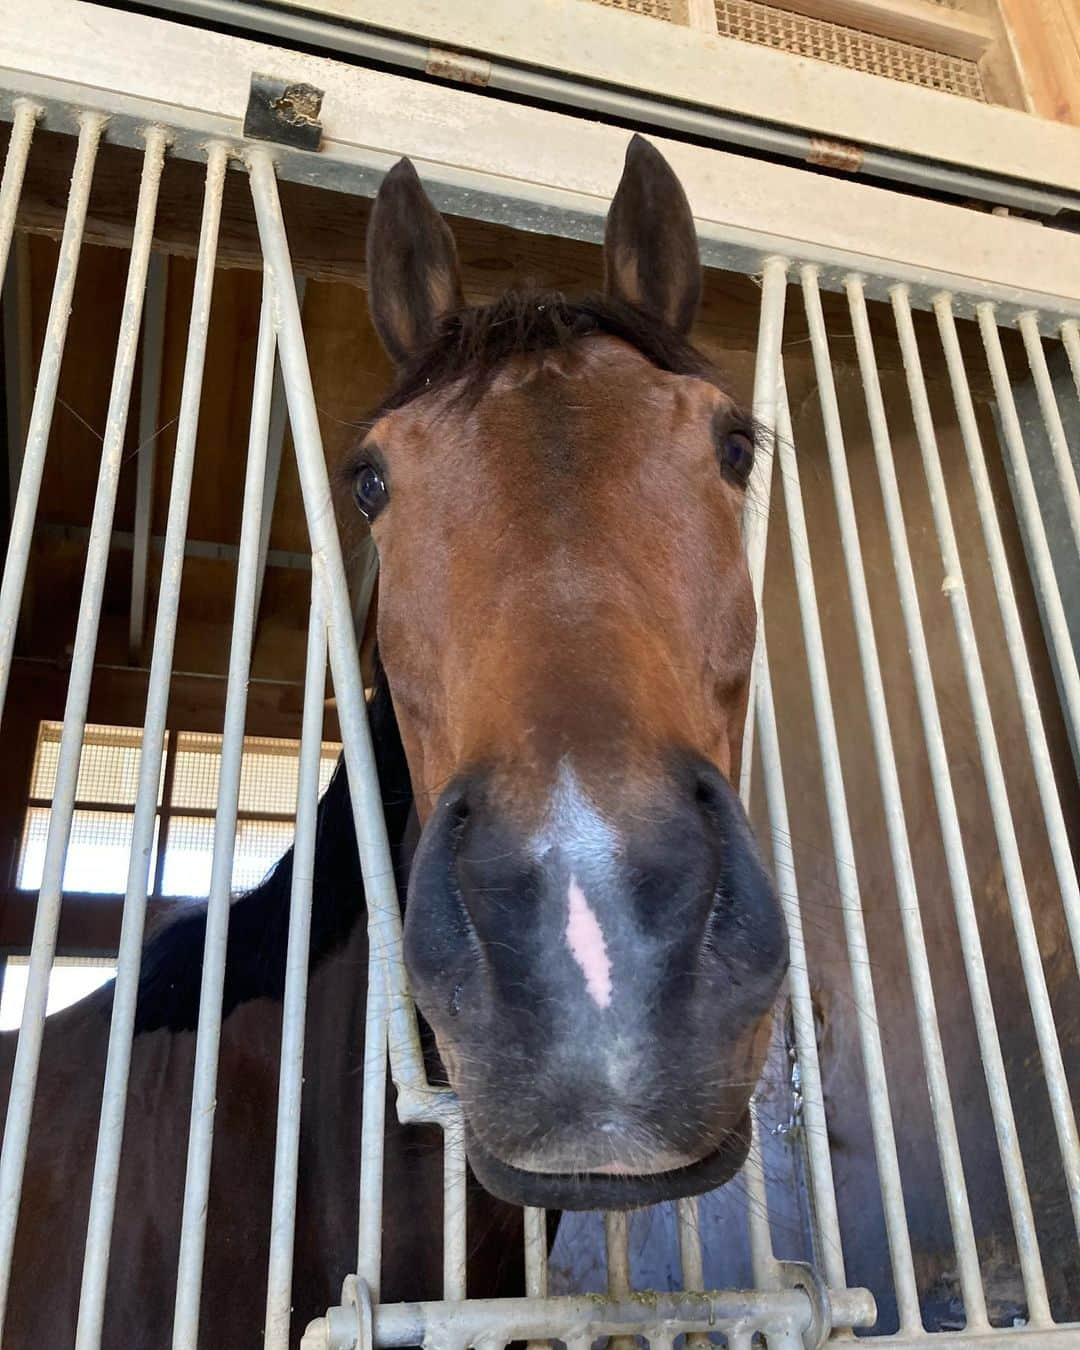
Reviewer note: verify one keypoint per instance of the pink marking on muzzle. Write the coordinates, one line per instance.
(585, 938)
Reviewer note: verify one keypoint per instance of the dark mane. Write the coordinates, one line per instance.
(472, 343)
(259, 920)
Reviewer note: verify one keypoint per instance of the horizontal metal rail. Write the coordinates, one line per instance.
(580, 1320)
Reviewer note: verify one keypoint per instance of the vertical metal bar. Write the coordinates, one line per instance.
(952, 838)
(208, 1036)
(47, 917)
(279, 421)
(1055, 430)
(18, 359)
(762, 1260)
(755, 541)
(1070, 336)
(384, 913)
(37, 439)
(149, 407)
(294, 1005)
(877, 1082)
(454, 1249)
(125, 993)
(1012, 868)
(691, 1260)
(536, 1261)
(823, 1189)
(617, 1243)
(756, 511)
(922, 988)
(372, 1121)
(26, 114)
(1010, 617)
(1050, 591)
(536, 1252)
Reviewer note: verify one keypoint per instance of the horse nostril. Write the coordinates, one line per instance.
(707, 789)
(456, 822)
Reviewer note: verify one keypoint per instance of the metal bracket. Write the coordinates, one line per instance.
(356, 1295)
(284, 111)
(800, 1275)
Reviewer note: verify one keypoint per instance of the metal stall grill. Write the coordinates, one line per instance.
(1022, 278)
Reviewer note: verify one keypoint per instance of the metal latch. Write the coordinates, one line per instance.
(284, 111)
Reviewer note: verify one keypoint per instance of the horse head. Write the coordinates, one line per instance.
(567, 625)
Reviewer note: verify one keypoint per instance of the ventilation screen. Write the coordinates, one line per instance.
(103, 822)
(771, 26)
(672, 11)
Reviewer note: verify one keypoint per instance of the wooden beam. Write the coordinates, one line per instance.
(1045, 36)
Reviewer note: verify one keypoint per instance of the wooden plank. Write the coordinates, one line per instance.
(1046, 39)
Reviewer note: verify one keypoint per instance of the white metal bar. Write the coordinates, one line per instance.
(691, 1257)
(877, 1082)
(1005, 832)
(454, 1197)
(279, 420)
(1070, 336)
(907, 896)
(762, 1259)
(125, 993)
(47, 917)
(952, 838)
(294, 1006)
(149, 407)
(26, 112)
(755, 522)
(384, 913)
(37, 439)
(536, 1252)
(372, 1124)
(536, 1261)
(18, 359)
(617, 1248)
(823, 1189)
(1041, 762)
(1049, 590)
(1029, 329)
(208, 1035)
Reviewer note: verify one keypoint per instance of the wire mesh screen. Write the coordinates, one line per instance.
(108, 765)
(671, 11)
(774, 26)
(108, 775)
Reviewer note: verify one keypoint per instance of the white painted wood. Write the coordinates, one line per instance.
(528, 167)
(592, 41)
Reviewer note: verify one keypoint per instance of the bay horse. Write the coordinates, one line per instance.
(565, 626)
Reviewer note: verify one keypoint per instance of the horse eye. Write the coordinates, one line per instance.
(369, 491)
(737, 457)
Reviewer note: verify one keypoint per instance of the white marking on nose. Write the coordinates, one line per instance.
(585, 939)
(574, 828)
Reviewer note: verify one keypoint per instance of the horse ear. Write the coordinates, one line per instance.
(650, 245)
(412, 265)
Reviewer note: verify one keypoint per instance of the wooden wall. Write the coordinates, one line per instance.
(1046, 42)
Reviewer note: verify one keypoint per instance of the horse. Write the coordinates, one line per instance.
(565, 632)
